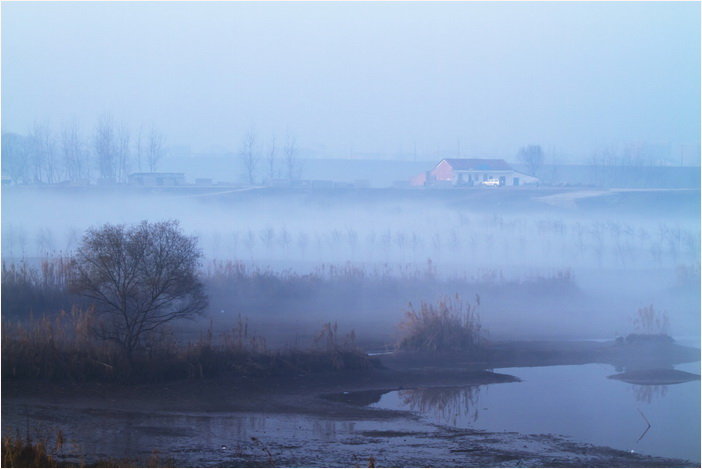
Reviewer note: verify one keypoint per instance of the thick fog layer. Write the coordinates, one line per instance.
(330, 226)
(616, 259)
(242, 98)
(362, 78)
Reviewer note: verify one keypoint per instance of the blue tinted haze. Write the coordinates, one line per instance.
(362, 78)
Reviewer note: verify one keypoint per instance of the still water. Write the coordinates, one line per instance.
(576, 401)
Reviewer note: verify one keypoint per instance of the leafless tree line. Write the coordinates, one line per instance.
(265, 163)
(108, 154)
(612, 166)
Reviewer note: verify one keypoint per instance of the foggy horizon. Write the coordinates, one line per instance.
(350, 234)
(364, 80)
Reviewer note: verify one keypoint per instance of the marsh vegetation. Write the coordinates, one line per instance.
(370, 298)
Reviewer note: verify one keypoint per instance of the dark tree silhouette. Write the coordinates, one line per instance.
(138, 278)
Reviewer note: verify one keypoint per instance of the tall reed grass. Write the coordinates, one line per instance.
(49, 452)
(36, 289)
(63, 348)
(451, 325)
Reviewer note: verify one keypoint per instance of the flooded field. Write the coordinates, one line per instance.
(582, 404)
(588, 420)
(216, 439)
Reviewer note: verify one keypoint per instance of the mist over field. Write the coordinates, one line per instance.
(619, 254)
(350, 234)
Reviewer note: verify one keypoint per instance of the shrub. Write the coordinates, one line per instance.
(451, 325)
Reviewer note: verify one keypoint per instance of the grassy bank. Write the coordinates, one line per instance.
(52, 452)
(64, 348)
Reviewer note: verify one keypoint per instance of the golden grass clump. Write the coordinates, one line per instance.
(17, 452)
(451, 325)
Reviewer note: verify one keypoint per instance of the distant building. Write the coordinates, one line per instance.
(157, 179)
(472, 172)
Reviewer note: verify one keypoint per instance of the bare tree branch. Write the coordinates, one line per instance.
(250, 156)
(533, 157)
(105, 150)
(139, 278)
(154, 149)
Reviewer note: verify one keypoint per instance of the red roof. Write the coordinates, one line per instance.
(478, 164)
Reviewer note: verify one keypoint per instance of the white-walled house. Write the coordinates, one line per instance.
(473, 172)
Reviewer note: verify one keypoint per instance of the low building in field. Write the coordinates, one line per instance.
(157, 179)
(473, 172)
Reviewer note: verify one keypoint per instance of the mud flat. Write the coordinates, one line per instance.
(316, 420)
(656, 377)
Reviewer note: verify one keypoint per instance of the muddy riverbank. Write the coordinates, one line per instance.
(316, 420)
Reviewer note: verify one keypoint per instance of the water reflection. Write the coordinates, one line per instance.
(648, 393)
(577, 401)
(446, 405)
(648, 385)
(193, 439)
(328, 429)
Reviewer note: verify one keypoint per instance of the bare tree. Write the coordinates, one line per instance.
(293, 168)
(74, 154)
(271, 160)
(533, 157)
(249, 155)
(36, 156)
(42, 154)
(53, 167)
(138, 279)
(139, 148)
(601, 162)
(154, 149)
(16, 157)
(122, 152)
(105, 147)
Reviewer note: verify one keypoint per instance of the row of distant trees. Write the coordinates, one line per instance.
(602, 160)
(110, 152)
(269, 161)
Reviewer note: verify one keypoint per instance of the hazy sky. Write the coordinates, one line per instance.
(360, 77)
